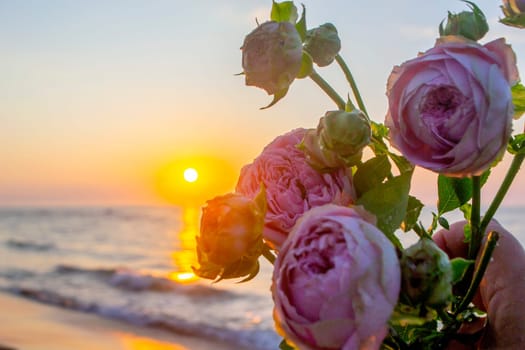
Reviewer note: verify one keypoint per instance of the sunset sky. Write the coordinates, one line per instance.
(107, 102)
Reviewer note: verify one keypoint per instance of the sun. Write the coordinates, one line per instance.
(191, 175)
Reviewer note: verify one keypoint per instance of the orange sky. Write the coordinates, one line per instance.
(101, 104)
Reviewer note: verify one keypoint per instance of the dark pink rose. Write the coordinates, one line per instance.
(450, 109)
(336, 281)
(292, 185)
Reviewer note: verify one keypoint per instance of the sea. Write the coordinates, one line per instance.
(134, 264)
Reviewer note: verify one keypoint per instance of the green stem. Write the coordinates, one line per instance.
(268, 254)
(328, 90)
(351, 81)
(505, 185)
(486, 254)
(477, 235)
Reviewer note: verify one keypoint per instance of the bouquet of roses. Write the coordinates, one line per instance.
(325, 205)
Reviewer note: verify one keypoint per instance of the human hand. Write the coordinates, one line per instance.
(502, 289)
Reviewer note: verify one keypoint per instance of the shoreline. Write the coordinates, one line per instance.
(30, 325)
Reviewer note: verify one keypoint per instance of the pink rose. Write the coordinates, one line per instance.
(450, 109)
(292, 185)
(336, 281)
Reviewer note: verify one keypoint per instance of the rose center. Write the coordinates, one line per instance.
(318, 259)
(441, 101)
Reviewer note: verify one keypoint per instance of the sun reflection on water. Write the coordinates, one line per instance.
(184, 255)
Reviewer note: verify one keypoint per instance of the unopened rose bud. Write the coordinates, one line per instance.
(469, 24)
(426, 274)
(514, 11)
(323, 44)
(271, 56)
(345, 133)
(338, 140)
(230, 240)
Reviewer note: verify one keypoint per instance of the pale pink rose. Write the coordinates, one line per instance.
(336, 281)
(292, 185)
(450, 109)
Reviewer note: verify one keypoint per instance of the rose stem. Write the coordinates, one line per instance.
(328, 90)
(505, 185)
(268, 254)
(486, 254)
(476, 235)
(351, 81)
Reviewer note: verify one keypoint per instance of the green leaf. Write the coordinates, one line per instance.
(371, 173)
(467, 232)
(284, 12)
(412, 214)
(460, 267)
(301, 25)
(284, 346)
(453, 193)
(406, 315)
(388, 201)
(444, 223)
(401, 162)
(517, 144)
(278, 96)
(518, 99)
(379, 130)
(307, 66)
(466, 209)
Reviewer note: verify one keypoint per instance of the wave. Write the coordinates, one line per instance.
(16, 274)
(137, 281)
(258, 339)
(29, 245)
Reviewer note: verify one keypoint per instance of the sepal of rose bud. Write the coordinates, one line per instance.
(231, 240)
(323, 44)
(470, 24)
(271, 56)
(345, 133)
(320, 159)
(514, 11)
(426, 274)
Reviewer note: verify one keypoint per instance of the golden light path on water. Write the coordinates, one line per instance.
(184, 255)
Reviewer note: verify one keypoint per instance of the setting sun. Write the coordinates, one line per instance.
(193, 180)
(191, 175)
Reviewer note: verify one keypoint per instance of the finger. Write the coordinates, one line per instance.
(452, 241)
(502, 290)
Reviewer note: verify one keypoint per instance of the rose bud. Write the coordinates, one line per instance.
(426, 274)
(335, 281)
(439, 119)
(271, 56)
(514, 11)
(323, 44)
(230, 240)
(469, 24)
(338, 141)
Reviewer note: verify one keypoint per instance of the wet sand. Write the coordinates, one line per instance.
(28, 325)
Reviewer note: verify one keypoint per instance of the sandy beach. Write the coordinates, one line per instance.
(27, 325)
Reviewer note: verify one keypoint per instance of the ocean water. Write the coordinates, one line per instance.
(134, 264)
